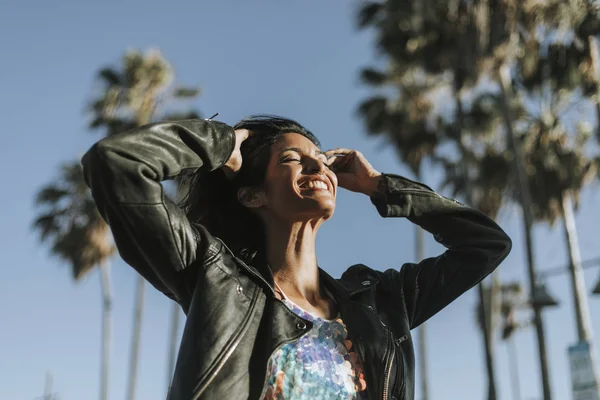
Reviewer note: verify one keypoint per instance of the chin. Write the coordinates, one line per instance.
(327, 215)
(314, 211)
(324, 211)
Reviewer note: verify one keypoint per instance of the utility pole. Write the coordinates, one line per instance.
(420, 255)
(48, 387)
(48, 393)
(525, 200)
(419, 249)
(486, 302)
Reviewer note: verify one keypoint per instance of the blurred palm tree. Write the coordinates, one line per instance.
(403, 122)
(129, 95)
(504, 314)
(405, 91)
(436, 52)
(462, 46)
(556, 80)
(69, 220)
(552, 83)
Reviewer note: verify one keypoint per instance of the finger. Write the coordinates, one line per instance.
(243, 133)
(340, 151)
(337, 156)
(342, 164)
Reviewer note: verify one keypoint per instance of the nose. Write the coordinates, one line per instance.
(316, 166)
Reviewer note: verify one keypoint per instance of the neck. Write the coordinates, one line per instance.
(292, 258)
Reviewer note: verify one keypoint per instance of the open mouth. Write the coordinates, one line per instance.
(313, 184)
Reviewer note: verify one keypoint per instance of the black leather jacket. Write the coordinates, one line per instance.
(234, 322)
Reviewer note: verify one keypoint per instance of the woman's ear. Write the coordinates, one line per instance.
(251, 197)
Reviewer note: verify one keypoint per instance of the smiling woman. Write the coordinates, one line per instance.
(238, 254)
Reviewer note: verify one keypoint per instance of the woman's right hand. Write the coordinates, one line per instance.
(233, 165)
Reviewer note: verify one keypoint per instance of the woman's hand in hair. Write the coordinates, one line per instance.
(353, 171)
(233, 165)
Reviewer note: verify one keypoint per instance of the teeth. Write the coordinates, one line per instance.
(316, 185)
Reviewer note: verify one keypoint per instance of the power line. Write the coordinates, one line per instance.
(590, 263)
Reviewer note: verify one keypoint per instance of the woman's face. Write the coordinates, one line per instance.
(299, 185)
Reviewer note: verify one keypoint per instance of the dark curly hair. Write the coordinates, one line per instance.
(210, 199)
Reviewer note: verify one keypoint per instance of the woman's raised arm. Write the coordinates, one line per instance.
(475, 244)
(152, 234)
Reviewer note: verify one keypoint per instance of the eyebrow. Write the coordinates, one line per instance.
(300, 151)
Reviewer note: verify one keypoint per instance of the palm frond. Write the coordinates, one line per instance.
(185, 92)
(51, 194)
(47, 224)
(178, 116)
(373, 77)
(69, 220)
(369, 13)
(374, 113)
(110, 76)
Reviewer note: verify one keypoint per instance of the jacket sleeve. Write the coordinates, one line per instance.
(475, 244)
(152, 234)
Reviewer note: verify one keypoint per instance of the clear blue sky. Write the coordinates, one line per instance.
(299, 59)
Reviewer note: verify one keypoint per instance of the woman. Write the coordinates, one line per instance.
(263, 320)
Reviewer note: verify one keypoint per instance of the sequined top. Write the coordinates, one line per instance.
(320, 365)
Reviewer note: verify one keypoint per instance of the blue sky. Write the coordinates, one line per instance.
(298, 59)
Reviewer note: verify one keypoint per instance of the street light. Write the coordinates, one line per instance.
(591, 263)
(597, 288)
(541, 297)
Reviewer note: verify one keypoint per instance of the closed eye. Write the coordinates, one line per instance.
(286, 160)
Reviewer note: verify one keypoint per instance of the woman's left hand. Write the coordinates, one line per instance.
(353, 171)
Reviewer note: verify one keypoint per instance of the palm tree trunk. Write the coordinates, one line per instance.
(48, 387)
(419, 248)
(514, 368)
(582, 312)
(105, 285)
(487, 342)
(525, 200)
(136, 338)
(173, 342)
(486, 306)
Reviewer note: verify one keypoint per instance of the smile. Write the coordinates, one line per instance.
(318, 185)
(314, 184)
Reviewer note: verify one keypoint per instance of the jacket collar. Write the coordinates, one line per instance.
(346, 288)
(342, 288)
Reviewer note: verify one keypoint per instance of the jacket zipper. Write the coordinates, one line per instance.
(430, 193)
(387, 373)
(390, 362)
(423, 191)
(236, 341)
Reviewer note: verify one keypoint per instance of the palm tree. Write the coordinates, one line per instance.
(130, 97)
(440, 45)
(557, 77)
(551, 79)
(69, 221)
(403, 122)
